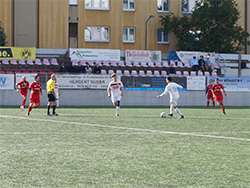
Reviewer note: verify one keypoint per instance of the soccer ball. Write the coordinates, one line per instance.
(163, 115)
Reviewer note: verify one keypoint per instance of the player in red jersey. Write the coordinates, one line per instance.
(209, 94)
(216, 90)
(36, 90)
(24, 85)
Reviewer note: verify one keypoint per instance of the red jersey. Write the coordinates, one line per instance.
(23, 87)
(209, 90)
(35, 88)
(217, 89)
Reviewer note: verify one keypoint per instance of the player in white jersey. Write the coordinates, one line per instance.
(57, 93)
(171, 88)
(115, 86)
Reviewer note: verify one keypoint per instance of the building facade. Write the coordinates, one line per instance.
(101, 24)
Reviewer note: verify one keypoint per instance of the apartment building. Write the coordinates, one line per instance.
(101, 24)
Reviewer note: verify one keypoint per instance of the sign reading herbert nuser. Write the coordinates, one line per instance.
(94, 54)
(142, 55)
(83, 81)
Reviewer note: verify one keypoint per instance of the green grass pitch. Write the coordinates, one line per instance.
(90, 147)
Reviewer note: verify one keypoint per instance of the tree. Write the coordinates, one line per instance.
(3, 36)
(211, 28)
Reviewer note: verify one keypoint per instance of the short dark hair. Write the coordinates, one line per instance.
(36, 76)
(169, 79)
(194, 57)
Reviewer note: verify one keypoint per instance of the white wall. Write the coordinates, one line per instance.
(140, 98)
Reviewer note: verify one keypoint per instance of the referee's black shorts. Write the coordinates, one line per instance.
(51, 97)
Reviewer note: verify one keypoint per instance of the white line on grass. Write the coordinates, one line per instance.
(153, 116)
(223, 117)
(57, 133)
(127, 128)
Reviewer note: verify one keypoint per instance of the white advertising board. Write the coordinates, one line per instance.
(94, 54)
(6, 81)
(29, 77)
(81, 81)
(233, 84)
(196, 83)
(142, 55)
(186, 56)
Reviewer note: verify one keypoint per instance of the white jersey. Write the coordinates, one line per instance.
(171, 88)
(115, 87)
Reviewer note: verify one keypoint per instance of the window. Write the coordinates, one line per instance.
(188, 6)
(129, 5)
(97, 34)
(162, 5)
(162, 38)
(128, 35)
(97, 4)
(73, 2)
(73, 29)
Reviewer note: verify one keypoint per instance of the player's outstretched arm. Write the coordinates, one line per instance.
(17, 88)
(213, 93)
(224, 92)
(164, 93)
(206, 92)
(179, 86)
(108, 90)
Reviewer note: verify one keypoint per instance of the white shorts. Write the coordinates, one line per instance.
(57, 95)
(174, 101)
(115, 98)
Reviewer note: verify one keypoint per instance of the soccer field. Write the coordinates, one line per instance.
(90, 147)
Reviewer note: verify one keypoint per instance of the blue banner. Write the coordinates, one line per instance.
(233, 84)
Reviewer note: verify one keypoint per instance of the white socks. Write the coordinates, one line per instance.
(178, 111)
(117, 110)
(171, 109)
(57, 103)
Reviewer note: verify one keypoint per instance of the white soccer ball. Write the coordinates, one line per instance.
(163, 115)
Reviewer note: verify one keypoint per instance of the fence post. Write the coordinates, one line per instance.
(239, 68)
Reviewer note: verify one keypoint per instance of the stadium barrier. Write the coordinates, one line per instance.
(130, 98)
(138, 91)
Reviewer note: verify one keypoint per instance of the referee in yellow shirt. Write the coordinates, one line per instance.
(51, 95)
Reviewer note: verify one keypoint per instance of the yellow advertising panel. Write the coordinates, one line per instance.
(17, 53)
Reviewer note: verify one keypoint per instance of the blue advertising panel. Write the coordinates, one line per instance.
(233, 84)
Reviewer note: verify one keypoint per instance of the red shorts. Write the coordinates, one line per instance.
(210, 96)
(23, 94)
(35, 99)
(219, 98)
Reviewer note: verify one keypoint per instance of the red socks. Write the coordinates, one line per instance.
(214, 104)
(207, 104)
(29, 109)
(23, 102)
(223, 109)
